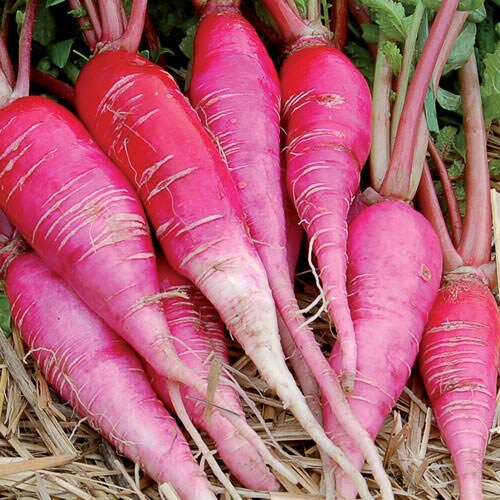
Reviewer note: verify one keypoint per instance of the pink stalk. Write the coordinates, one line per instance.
(132, 37)
(22, 86)
(475, 245)
(5, 63)
(397, 181)
(430, 208)
(289, 23)
(381, 144)
(339, 23)
(94, 17)
(53, 85)
(88, 31)
(449, 193)
(112, 27)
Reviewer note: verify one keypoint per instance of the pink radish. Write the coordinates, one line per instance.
(82, 216)
(392, 280)
(99, 375)
(394, 271)
(199, 340)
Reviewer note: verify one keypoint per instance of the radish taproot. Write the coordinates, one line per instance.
(199, 339)
(82, 216)
(327, 143)
(101, 377)
(142, 121)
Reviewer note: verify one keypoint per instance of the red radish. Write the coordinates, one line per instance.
(199, 339)
(143, 122)
(82, 216)
(459, 364)
(328, 139)
(250, 93)
(392, 280)
(99, 375)
(327, 144)
(394, 270)
(459, 356)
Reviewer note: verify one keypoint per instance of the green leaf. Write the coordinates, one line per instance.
(494, 166)
(448, 100)
(45, 26)
(490, 89)
(59, 52)
(430, 111)
(393, 55)
(470, 4)
(51, 3)
(5, 315)
(478, 15)
(462, 49)
(459, 143)
(187, 42)
(370, 33)
(389, 15)
(456, 170)
(77, 13)
(302, 6)
(445, 138)
(362, 59)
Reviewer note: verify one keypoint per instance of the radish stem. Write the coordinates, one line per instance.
(339, 23)
(475, 245)
(397, 181)
(449, 193)
(404, 77)
(22, 87)
(430, 208)
(132, 37)
(381, 151)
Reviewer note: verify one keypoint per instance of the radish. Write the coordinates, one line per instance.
(139, 117)
(199, 340)
(98, 374)
(397, 306)
(82, 216)
(327, 143)
(459, 357)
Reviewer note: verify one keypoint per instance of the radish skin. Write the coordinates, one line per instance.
(203, 237)
(102, 381)
(459, 366)
(393, 275)
(82, 216)
(327, 144)
(199, 339)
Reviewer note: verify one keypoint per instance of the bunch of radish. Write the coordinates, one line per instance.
(227, 177)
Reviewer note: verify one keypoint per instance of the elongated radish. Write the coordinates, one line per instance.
(99, 375)
(393, 276)
(203, 237)
(327, 144)
(82, 216)
(250, 93)
(200, 341)
(459, 363)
